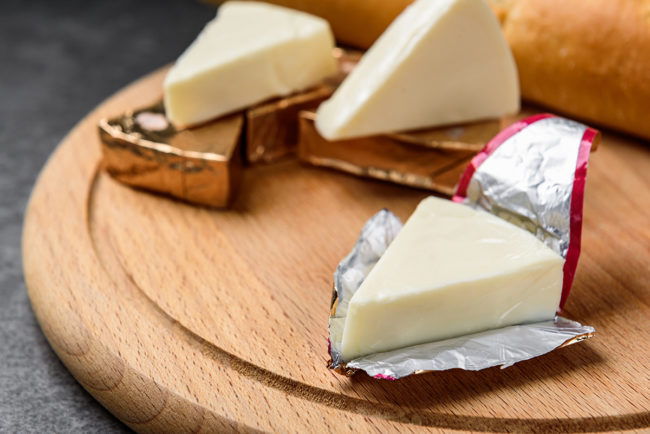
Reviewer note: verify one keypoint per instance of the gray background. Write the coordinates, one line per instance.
(59, 59)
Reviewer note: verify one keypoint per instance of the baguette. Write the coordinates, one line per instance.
(588, 59)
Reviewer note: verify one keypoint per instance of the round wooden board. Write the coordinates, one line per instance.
(180, 318)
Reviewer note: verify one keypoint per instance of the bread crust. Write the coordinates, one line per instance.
(586, 58)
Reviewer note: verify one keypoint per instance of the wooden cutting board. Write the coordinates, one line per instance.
(180, 318)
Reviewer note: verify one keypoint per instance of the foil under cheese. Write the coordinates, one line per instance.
(431, 159)
(531, 174)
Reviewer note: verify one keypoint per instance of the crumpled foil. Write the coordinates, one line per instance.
(533, 192)
(526, 175)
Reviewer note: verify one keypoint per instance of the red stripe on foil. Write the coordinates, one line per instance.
(384, 377)
(577, 200)
(493, 145)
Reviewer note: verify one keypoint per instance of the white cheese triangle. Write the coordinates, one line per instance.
(250, 52)
(440, 62)
(451, 271)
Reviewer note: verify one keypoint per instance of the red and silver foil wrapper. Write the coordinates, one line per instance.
(531, 174)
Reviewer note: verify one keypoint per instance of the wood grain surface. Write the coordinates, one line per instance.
(180, 318)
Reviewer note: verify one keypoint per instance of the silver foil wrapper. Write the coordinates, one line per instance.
(531, 174)
(499, 347)
(528, 180)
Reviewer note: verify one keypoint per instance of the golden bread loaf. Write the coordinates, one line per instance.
(589, 59)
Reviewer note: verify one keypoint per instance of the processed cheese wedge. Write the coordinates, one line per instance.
(440, 62)
(250, 52)
(451, 271)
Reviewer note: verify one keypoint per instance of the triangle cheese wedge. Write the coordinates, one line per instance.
(250, 52)
(451, 271)
(440, 62)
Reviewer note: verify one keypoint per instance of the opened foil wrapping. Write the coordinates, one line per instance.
(534, 192)
(531, 174)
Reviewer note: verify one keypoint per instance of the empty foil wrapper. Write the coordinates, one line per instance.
(532, 174)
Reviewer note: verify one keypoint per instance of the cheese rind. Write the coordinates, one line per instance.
(451, 271)
(250, 52)
(440, 62)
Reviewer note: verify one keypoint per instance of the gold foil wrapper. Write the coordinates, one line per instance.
(272, 126)
(200, 165)
(432, 159)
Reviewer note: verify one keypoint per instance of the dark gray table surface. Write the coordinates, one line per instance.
(59, 59)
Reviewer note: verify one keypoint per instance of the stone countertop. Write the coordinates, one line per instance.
(58, 60)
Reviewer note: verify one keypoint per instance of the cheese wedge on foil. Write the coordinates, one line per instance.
(451, 271)
(249, 53)
(440, 62)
